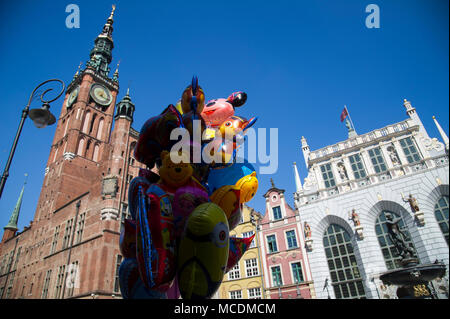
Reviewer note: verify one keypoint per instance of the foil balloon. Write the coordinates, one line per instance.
(229, 175)
(203, 252)
(154, 136)
(228, 198)
(217, 111)
(131, 285)
(155, 240)
(248, 186)
(185, 200)
(127, 241)
(238, 246)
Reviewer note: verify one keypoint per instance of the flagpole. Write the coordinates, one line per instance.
(350, 117)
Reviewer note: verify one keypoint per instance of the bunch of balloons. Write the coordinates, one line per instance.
(177, 241)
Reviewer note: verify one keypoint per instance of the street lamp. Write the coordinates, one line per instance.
(41, 118)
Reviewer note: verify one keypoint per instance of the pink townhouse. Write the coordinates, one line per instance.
(287, 274)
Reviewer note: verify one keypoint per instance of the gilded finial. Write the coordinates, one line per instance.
(112, 12)
(273, 184)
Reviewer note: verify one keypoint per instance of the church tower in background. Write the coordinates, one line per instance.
(70, 249)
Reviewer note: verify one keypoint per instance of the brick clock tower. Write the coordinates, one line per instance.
(70, 249)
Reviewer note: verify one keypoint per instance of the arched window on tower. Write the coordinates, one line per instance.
(441, 214)
(91, 128)
(80, 147)
(96, 152)
(344, 271)
(88, 146)
(67, 126)
(390, 253)
(100, 129)
(56, 153)
(87, 117)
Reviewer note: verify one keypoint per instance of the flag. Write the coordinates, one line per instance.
(344, 114)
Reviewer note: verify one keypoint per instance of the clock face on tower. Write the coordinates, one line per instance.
(72, 97)
(101, 94)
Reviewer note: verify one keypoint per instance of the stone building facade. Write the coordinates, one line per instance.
(350, 188)
(70, 249)
(287, 274)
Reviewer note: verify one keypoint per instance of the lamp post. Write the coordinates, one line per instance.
(41, 118)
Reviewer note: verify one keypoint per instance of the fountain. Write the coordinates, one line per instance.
(413, 278)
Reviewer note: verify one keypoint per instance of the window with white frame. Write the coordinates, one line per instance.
(234, 273)
(250, 234)
(410, 150)
(254, 293)
(276, 213)
(357, 166)
(272, 244)
(251, 267)
(276, 276)
(297, 272)
(377, 160)
(327, 175)
(291, 239)
(236, 294)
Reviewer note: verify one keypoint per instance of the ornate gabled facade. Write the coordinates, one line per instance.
(287, 274)
(70, 249)
(350, 188)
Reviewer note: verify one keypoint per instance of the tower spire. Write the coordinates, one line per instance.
(11, 227)
(100, 56)
(443, 134)
(298, 183)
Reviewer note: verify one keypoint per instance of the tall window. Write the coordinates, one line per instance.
(327, 175)
(96, 150)
(86, 122)
(390, 253)
(10, 285)
(55, 239)
(72, 278)
(291, 239)
(236, 294)
(67, 234)
(80, 228)
(276, 212)
(297, 272)
(234, 273)
(80, 147)
(410, 150)
(19, 250)
(272, 244)
(251, 267)
(377, 160)
(254, 293)
(116, 278)
(100, 129)
(441, 213)
(46, 283)
(59, 281)
(357, 166)
(345, 276)
(276, 276)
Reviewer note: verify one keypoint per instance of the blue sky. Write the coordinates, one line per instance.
(300, 62)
